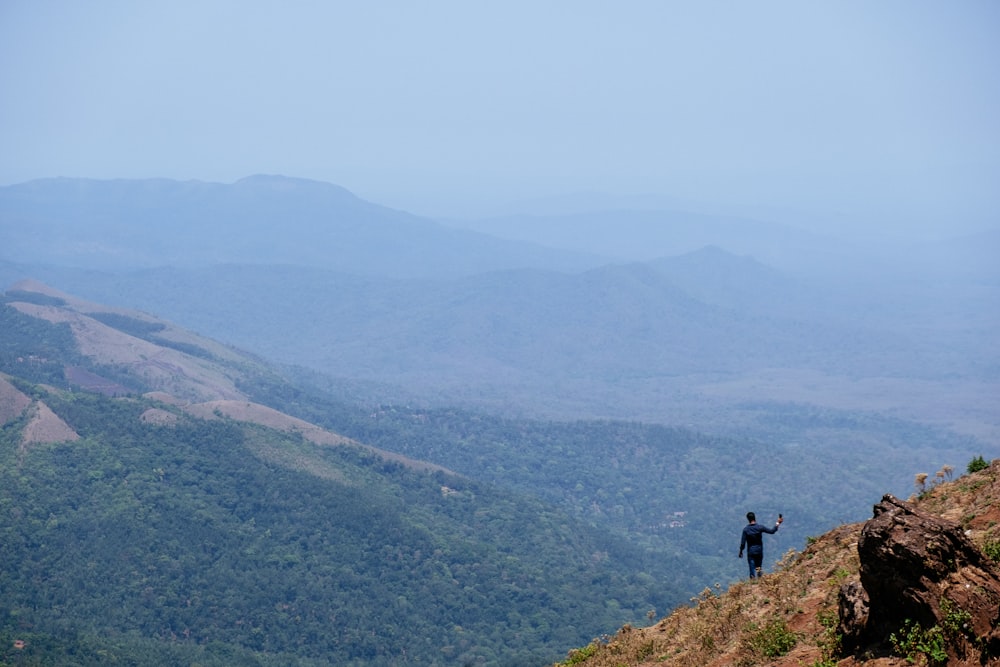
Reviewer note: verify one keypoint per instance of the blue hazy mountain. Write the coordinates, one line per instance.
(261, 219)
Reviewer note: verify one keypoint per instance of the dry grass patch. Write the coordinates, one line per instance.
(783, 618)
(789, 618)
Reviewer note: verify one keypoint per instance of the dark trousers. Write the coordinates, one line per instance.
(755, 560)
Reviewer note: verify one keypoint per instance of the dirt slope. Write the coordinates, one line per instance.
(256, 413)
(12, 402)
(45, 426)
(203, 377)
(204, 383)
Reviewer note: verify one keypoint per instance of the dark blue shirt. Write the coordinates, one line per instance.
(753, 539)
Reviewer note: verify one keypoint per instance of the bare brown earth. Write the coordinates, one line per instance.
(159, 417)
(169, 332)
(200, 386)
(171, 371)
(255, 413)
(721, 628)
(12, 402)
(45, 426)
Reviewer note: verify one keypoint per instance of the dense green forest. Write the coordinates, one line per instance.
(217, 542)
(678, 493)
(32, 348)
(189, 535)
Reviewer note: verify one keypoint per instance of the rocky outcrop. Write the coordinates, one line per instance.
(920, 568)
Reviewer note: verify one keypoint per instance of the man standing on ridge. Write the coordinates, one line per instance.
(753, 540)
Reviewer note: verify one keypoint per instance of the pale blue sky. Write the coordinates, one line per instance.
(883, 111)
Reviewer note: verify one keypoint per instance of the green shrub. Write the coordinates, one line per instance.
(956, 620)
(977, 464)
(578, 655)
(829, 642)
(912, 641)
(992, 549)
(840, 574)
(773, 640)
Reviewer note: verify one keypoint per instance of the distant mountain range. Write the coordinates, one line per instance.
(113, 225)
(644, 229)
(306, 273)
(650, 341)
(131, 224)
(434, 342)
(643, 235)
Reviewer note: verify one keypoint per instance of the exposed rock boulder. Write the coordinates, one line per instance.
(920, 568)
(852, 608)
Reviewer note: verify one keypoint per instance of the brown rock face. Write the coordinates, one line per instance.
(918, 567)
(852, 608)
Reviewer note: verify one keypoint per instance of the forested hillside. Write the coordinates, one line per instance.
(154, 532)
(460, 334)
(678, 493)
(686, 340)
(196, 535)
(178, 539)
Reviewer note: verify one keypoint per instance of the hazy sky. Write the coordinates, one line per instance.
(884, 110)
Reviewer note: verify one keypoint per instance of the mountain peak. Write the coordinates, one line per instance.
(287, 184)
(37, 287)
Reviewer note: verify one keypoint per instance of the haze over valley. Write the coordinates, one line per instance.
(463, 335)
(628, 398)
(305, 273)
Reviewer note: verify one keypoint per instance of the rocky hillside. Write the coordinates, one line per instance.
(918, 583)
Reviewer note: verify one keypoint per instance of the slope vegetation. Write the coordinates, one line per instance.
(182, 528)
(212, 508)
(796, 616)
(226, 538)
